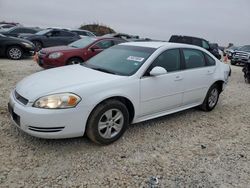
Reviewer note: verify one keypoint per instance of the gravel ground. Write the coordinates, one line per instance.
(186, 149)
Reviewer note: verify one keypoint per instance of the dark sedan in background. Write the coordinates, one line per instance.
(16, 31)
(15, 48)
(75, 53)
(51, 37)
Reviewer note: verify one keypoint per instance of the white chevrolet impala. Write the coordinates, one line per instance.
(128, 83)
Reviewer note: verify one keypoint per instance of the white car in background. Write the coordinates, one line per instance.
(128, 83)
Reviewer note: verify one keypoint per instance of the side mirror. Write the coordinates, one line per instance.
(94, 48)
(156, 71)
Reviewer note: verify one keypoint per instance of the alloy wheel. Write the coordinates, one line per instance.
(110, 123)
(213, 97)
(15, 53)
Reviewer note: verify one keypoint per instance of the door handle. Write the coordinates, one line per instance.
(178, 78)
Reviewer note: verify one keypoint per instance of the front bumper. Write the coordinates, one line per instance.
(29, 51)
(46, 63)
(239, 60)
(48, 123)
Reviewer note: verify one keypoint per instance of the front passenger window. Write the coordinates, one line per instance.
(169, 60)
(105, 44)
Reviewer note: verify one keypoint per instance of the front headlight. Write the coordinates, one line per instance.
(27, 45)
(57, 101)
(55, 55)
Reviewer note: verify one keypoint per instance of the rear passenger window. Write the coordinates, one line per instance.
(210, 60)
(66, 34)
(169, 60)
(193, 58)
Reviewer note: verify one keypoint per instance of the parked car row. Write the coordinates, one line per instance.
(50, 37)
(74, 53)
(14, 38)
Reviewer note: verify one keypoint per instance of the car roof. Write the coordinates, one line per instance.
(182, 36)
(156, 44)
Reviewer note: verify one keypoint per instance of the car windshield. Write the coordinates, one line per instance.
(43, 32)
(9, 29)
(82, 43)
(245, 48)
(121, 59)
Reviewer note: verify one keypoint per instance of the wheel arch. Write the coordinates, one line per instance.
(12, 45)
(219, 83)
(127, 102)
(78, 57)
(37, 40)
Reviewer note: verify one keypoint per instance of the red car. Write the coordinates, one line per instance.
(74, 53)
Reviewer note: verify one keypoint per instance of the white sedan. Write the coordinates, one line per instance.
(128, 83)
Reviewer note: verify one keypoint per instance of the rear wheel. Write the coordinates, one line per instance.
(211, 99)
(107, 122)
(14, 52)
(233, 62)
(73, 61)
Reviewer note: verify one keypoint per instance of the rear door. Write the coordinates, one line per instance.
(68, 37)
(198, 75)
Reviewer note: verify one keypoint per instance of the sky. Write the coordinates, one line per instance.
(220, 21)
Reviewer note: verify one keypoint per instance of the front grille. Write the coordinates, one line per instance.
(45, 129)
(21, 99)
(241, 55)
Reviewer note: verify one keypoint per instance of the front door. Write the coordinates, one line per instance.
(164, 92)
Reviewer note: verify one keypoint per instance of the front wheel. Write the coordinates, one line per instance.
(14, 52)
(107, 122)
(233, 62)
(74, 61)
(211, 99)
(38, 45)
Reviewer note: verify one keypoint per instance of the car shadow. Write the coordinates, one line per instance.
(84, 142)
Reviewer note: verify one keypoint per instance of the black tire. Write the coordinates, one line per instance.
(74, 60)
(233, 62)
(38, 45)
(95, 120)
(14, 52)
(207, 105)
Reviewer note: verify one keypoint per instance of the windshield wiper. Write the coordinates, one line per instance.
(103, 70)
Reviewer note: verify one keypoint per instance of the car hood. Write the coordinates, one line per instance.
(20, 40)
(25, 35)
(56, 49)
(61, 79)
(242, 51)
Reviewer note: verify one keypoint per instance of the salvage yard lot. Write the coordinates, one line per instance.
(191, 148)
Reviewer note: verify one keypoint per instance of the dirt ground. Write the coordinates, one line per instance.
(186, 149)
